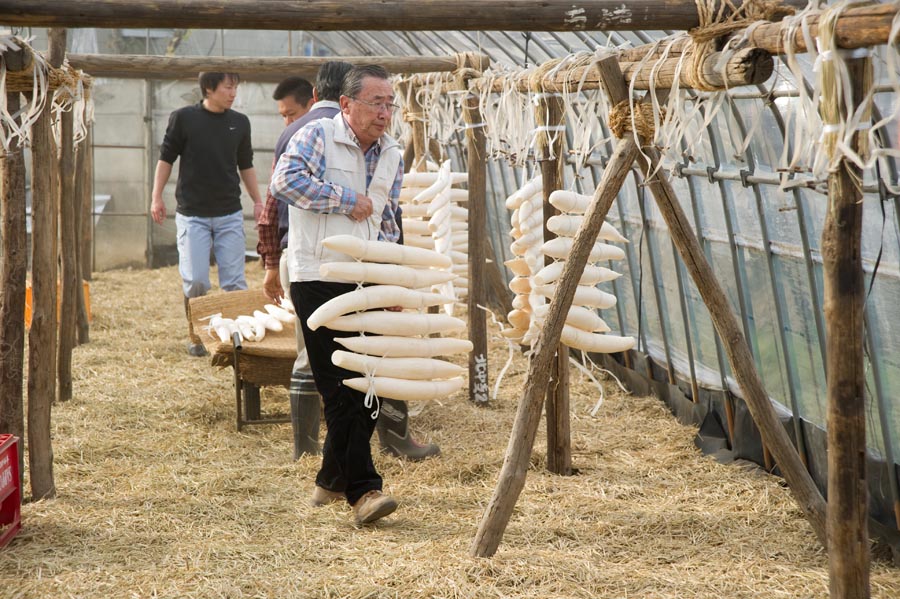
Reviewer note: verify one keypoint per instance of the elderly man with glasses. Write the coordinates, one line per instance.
(344, 175)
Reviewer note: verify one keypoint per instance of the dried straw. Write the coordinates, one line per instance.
(160, 497)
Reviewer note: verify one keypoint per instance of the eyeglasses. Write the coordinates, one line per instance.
(379, 106)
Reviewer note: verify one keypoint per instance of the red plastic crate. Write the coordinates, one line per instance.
(10, 489)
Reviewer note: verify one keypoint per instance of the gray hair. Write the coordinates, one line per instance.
(353, 82)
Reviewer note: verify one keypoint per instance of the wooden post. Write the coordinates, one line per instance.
(848, 539)
(476, 150)
(550, 120)
(42, 337)
(68, 312)
(417, 125)
(521, 440)
(13, 269)
(82, 199)
(739, 356)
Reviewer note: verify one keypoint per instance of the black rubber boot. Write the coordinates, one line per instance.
(393, 432)
(304, 414)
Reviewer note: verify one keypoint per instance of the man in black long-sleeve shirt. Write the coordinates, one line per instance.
(213, 142)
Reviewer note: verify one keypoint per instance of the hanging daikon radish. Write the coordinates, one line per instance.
(457, 257)
(520, 302)
(414, 210)
(520, 285)
(591, 275)
(519, 319)
(567, 225)
(532, 238)
(419, 369)
(459, 195)
(561, 247)
(569, 201)
(457, 225)
(531, 207)
(404, 390)
(525, 192)
(406, 347)
(585, 295)
(419, 241)
(459, 213)
(415, 227)
(384, 251)
(513, 334)
(441, 200)
(385, 274)
(595, 342)
(408, 193)
(371, 298)
(422, 179)
(460, 239)
(397, 323)
(279, 313)
(518, 266)
(578, 317)
(441, 181)
(460, 269)
(268, 321)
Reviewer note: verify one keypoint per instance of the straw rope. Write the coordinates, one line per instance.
(623, 119)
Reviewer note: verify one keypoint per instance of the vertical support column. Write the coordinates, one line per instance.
(848, 543)
(87, 206)
(68, 312)
(13, 269)
(548, 149)
(417, 124)
(476, 151)
(42, 336)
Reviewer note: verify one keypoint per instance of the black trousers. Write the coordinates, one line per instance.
(346, 454)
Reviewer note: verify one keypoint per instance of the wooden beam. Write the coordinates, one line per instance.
(844, 292)
(250, 68)
(476, 151)
(521, 439)
(549, 115)
(749, 66)
(42, 340)
(344, 15)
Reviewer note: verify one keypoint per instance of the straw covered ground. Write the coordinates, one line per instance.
(158, 496)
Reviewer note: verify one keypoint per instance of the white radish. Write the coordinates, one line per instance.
(384, 251)
(585, 295)
(518, 266)
(591, 275)
(404, 390)
(406, 347)
(247, 326)
(595, 342)
(385, 274)
(561, 247)
(419, 241)
(567, 225)
(279, 313)
(415, 227)
(578, 317)
(569, 201)
(268, 321)
(422, 369)
(371, 298)
(397, 323)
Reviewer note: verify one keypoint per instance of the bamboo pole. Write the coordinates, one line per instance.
(548, 151)
(42, 336)
(250, 68)
(476, 150)
(343, 15)
(848, 539)
(521, 440)
(68, 313)
(739, 356)
(13, 269)
(82, 200)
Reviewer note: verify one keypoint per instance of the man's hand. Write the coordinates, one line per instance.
(257, 211)
(272, 285)
(158, 210)
(363, 208)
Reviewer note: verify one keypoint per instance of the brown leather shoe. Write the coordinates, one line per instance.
(373, 506)
(322, 496)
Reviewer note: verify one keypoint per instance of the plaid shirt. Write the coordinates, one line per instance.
(269, 245)
(299, 180)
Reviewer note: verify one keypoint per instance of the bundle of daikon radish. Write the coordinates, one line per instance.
(251, 328)
(433, 219)
(535, 283)
(398, 358)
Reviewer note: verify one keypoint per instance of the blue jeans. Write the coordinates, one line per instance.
(197, 235)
